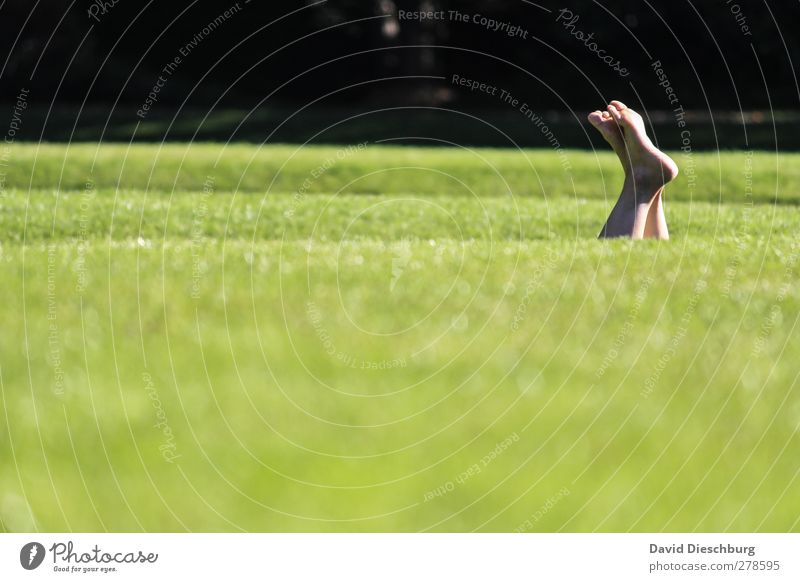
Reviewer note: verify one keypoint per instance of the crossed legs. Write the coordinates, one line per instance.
(639, 211)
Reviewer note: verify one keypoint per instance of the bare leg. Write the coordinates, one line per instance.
(647, 170)
(656, 226)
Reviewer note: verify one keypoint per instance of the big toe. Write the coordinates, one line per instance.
(596, 118)
(632, 119)
(619, 105)
(614, 112)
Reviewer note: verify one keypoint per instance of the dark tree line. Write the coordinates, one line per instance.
(716, 53)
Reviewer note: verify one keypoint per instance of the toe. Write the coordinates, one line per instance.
(630, 118)
(631, 114)
(595, 118)
(619, 105)
(614, 112)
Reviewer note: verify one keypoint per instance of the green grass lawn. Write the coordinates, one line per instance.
(210, 338)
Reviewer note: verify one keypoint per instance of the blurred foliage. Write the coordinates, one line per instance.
(342, 52)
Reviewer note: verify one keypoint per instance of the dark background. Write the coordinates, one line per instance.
(285, 71)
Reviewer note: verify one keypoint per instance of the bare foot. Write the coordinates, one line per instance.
(639, 211)
(612, 133)
(650, 168)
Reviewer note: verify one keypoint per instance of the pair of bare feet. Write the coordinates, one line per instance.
(639, 212)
